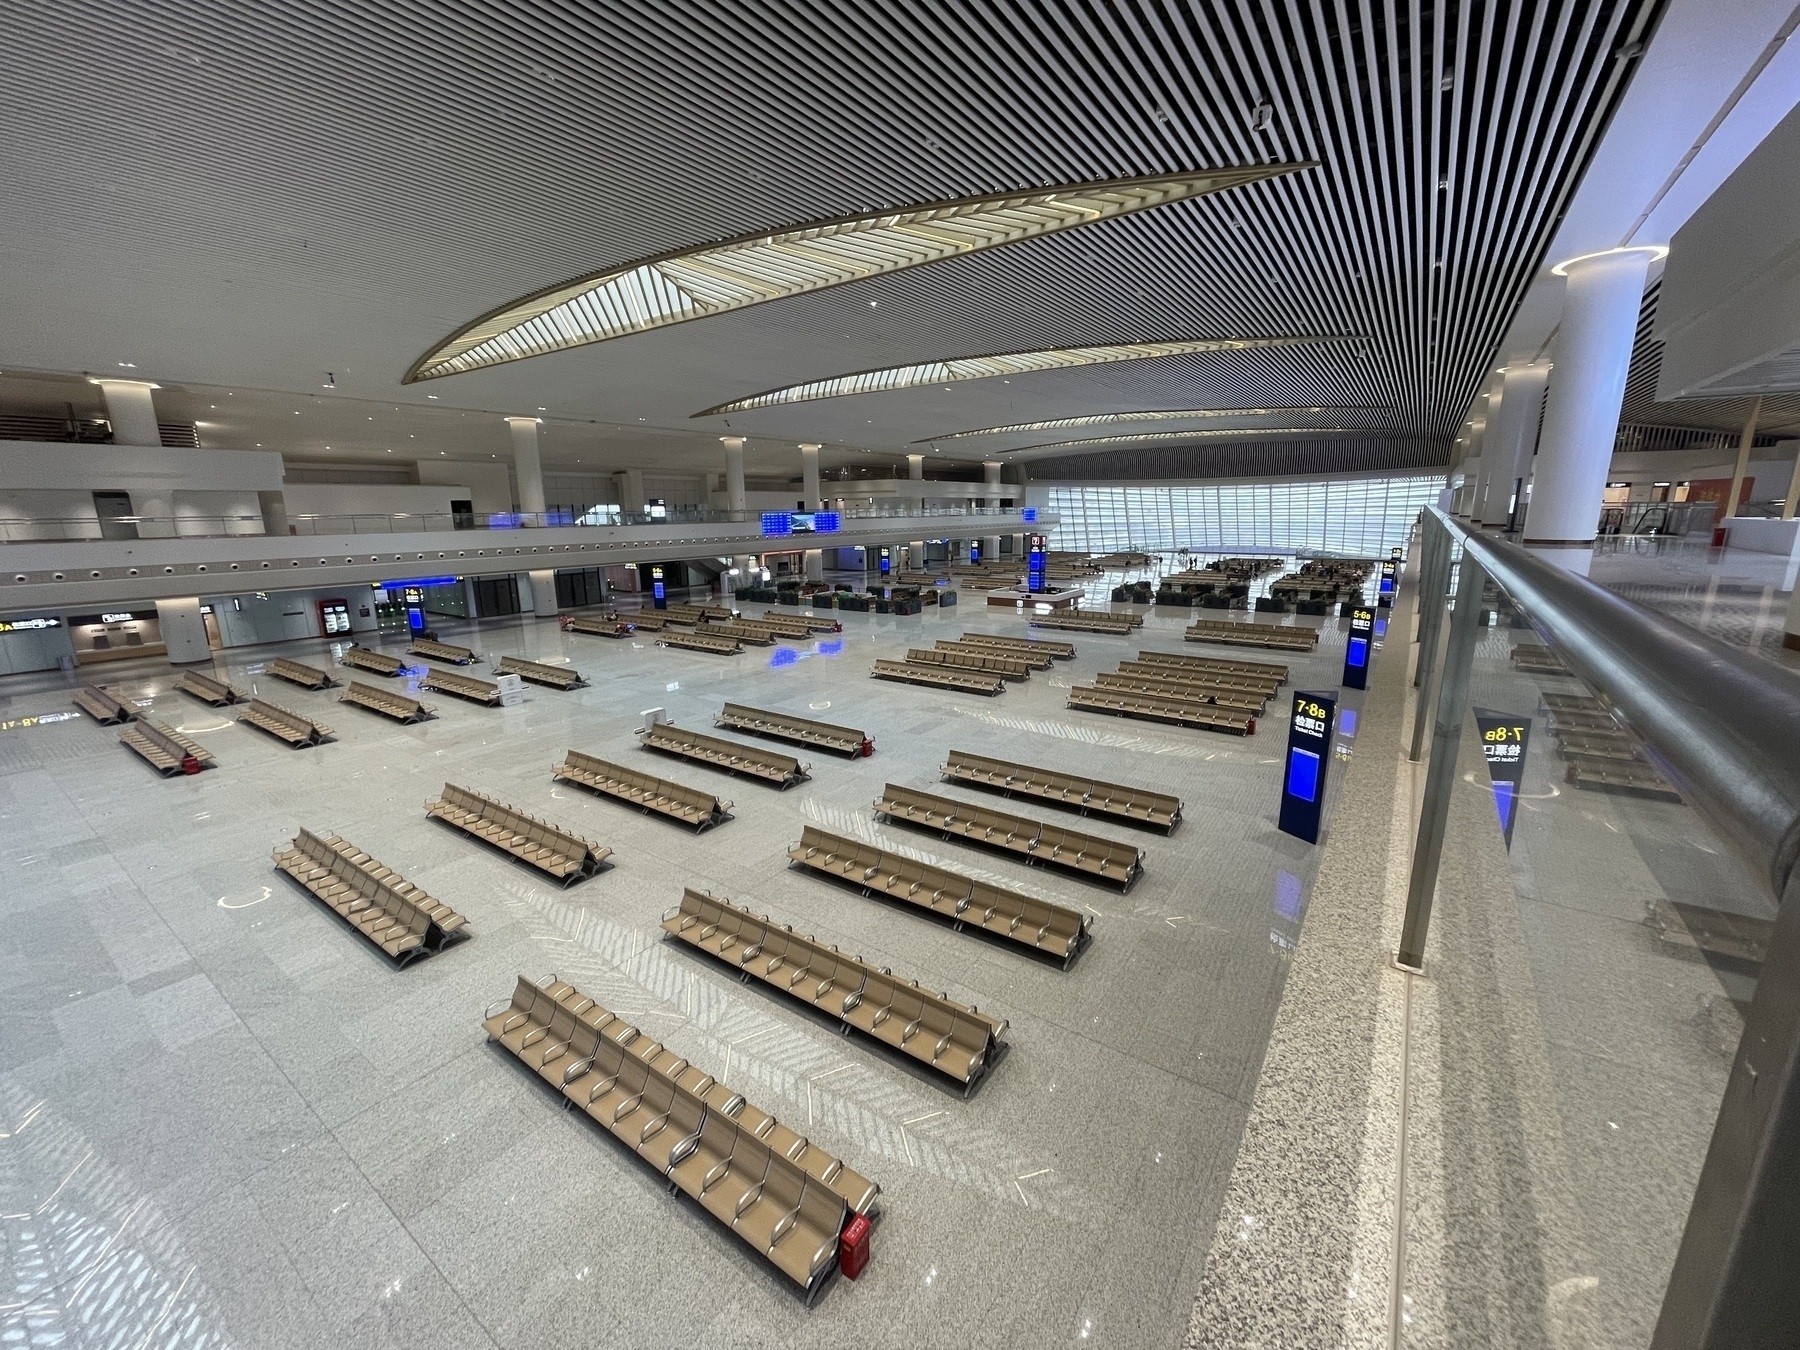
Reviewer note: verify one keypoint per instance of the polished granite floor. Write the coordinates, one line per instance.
(225, 1120)
(1738, 597)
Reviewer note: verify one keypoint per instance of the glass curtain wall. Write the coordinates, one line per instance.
(1361, 517)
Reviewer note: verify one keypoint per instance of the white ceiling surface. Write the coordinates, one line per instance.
(1692, 71)
(246, 198)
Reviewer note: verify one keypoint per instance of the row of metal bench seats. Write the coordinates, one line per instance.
(462, 686)
(168, 751)
(552, 677)
(1025, 656)
(1272, 673)
(297, 729)
(777, 1191)
(1090, 796)
(775, 626)
(216, 693)
(1174, 709)
(679, 802)
(698, 614)
(1003, 664)
(934, 1029)
(397, 706)
(1298, 637)
(1168, 684)
(1041, 925)
(1259, 687)
(1537, 659)
(940, 677)
(105, 707)
(442, 651)
(732, 756)
(597, 627)
(753, 635)
(1034, 841)
(701, 641)
(1078, 621)
(1051, 647)
(813, 623)
(294, 672)
(562, 853)
(803, 730)
(377, 901)
(367, 658)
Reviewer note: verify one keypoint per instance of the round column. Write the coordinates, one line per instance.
(991, 469)
(1513, 442)
(735, 499)
(1581, 419)
(813, 564)
(543, 592)
(528, 467)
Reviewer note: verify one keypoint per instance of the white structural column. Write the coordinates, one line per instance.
(990, 544)
(131, 411)
(543, 593)
(1581, 419)
(915, 471)
(813, 563)
(1512, 440)
(735, 497)
(528, 467)
(1484, 481)
(628, 489)
(183, 630)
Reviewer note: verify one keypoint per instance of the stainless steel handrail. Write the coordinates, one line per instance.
(1723, 726)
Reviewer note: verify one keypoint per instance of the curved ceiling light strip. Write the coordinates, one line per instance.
(694, 283)
(1107, 419)
(985, 367)
(1211, 433)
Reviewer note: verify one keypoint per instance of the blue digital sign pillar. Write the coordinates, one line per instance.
(974, 550)
(887, 561)
(1360, 649)
(1036, 580)
(659, 596)
(1384, 597)
(1303, 772)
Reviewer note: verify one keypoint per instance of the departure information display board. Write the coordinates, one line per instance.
(1504, 740)
(1036, 565)
(1303, 771)
(1360, 649)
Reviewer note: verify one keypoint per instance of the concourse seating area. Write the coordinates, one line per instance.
(1025, 656)
(1089, 796)
(367, 658)
(1242, 677)
(690, 806)
(398, 917)
(951, 1037)
(397, 706)
(597, 626)
(485, 692)
(800, 730)
(562, 853)
(297, 729)
(168, 751)
(1043, 926)
(779, 1193)
(1031, 841)
(1056, 650)
(1275, 637)
(1599, 754)
(774, 627)
(103, 706)
(650, 620)
(1534, 658)
(214, 693)
(295, 672)
(1169, 685)
(700, 641)
(1085, 621)
(750, 634)
(812, 623)
(441, 651)
(551, 677)
(990, 663)
(1175, 708)
(699, 614)
(938, 677)
(732, 756)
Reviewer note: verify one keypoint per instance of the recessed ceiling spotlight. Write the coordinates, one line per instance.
(128, 365)
(543, 410)
(431, 396)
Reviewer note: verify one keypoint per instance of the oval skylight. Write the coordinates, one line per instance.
(694, 283)
(1210, 433)
(1108, 419)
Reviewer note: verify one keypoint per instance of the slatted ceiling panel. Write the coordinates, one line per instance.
(384, 172)
(1646, 423)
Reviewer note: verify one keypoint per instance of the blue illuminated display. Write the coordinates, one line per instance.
(1029, 515)
(1359, 652)
(826, 522)
(1303, 775)
(777, 522)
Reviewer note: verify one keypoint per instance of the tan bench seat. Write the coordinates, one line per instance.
(801, 730)
(1179, 711)
(1076, 621)
(1030, 840)
(367, 658)
(1258, 686)
(701, 642)
(297, 729)
(1041, 925)
(749, 634)
(485, 692)
(168, 751)
(813, 623)
(1537, 659)
(213, 692)
(561, 853)
(1051, 647)
(954, 1039)
(388, 704)
(688, 805)
(990, 663)
(294, 672)
(442, 651)
(786, 630)
(780, 1193)
(389, 911)
(1195, 691)
(1221, 665)
(103, 706)
(940, 677)
(551, 677)
(732, 756)
(1030, 659)
(1284, 637)
(1634, 778)
(1090, 796)
(597, 627)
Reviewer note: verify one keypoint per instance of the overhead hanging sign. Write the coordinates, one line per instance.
(1360, 649)
(1303, 771)
(1503, 743)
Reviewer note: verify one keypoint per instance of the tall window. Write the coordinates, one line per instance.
(1359, 517)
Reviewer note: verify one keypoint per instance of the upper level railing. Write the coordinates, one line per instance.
(41, 530)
